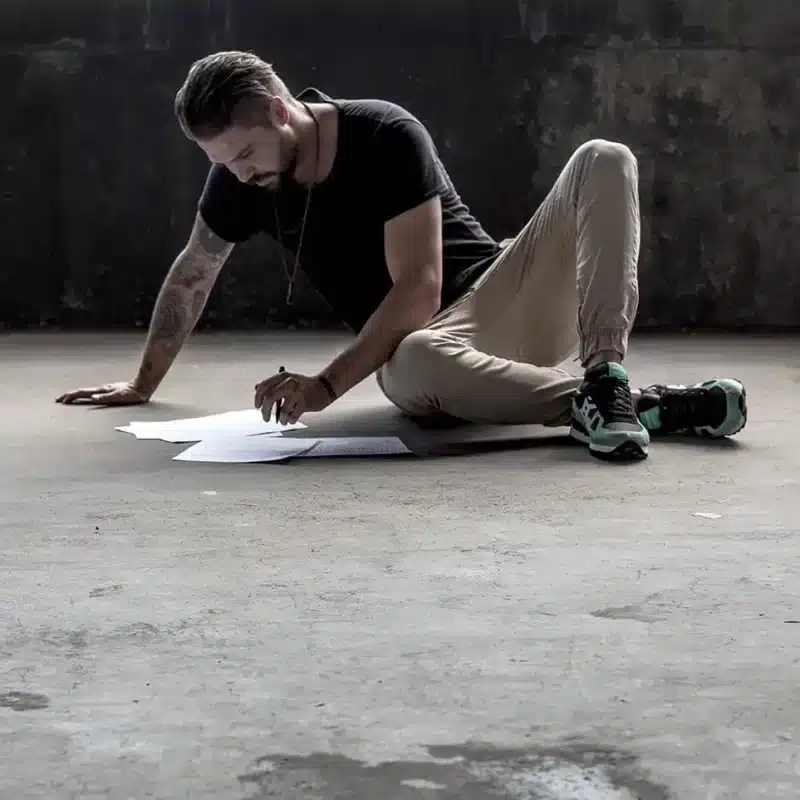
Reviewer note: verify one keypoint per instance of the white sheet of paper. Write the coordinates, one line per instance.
(187, 436)
(246, 450)
(229, 424)
(357, 446)
(222, 417)
(256, 449)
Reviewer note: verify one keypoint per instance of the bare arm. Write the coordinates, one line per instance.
(413, 245)
(180, 303)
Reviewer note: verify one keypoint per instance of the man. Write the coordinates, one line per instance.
(453, 323)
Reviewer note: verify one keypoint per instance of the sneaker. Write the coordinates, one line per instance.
(713, 409)
(603, 416)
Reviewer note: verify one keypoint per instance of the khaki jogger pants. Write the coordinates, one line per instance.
(567, 282)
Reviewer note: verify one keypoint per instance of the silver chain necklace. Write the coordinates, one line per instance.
(291, 277)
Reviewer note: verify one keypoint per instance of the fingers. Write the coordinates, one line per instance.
(285, 397)
(292, 408)
(293, 413)
(288, 407)
(268, 391)
(102, 396)
(263, 390)
(265, 399)
(80, 394)
(290, 399)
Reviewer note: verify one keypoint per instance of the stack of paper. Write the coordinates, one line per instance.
(243, 437)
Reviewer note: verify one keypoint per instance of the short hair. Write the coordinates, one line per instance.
(218, 87)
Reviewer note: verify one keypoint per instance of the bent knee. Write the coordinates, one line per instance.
(604, 153)
(417, 374)
(417, 356)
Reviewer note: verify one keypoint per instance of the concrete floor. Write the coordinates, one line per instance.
(523, 622)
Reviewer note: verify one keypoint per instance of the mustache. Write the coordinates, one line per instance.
(256, 179)
(285, 172)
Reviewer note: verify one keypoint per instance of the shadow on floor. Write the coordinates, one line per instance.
(430, 438)
(450, 437)
(465, 772)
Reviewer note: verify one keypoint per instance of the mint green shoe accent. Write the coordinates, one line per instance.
(603, 416)
(617, 371)
(651, 419)
(735, 417)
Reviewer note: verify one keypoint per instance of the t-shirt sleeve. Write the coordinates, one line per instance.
(229, 207)
(411, 172)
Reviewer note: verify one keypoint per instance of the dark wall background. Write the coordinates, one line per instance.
(98, 187)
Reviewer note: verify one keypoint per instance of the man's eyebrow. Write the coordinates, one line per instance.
(241, 153)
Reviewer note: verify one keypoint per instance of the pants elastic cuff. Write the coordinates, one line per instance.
(598, 341)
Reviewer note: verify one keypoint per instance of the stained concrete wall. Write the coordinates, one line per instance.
(98, 187)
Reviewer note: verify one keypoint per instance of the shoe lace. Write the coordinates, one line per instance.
(682, 409)
(613, 397)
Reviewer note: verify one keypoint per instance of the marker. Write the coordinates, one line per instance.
(278, 402)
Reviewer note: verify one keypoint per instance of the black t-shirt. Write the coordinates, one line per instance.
(386, 163)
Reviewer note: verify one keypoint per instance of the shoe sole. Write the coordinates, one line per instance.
(625, 451)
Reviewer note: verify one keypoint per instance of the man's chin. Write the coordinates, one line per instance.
(270, 182)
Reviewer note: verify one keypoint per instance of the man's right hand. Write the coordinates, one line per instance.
(112, 394)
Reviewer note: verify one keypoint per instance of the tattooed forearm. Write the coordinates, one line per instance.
(180, 303)
(172, 314)
(198, 266)
(174, 317)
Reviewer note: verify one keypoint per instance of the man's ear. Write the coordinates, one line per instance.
(278, 112)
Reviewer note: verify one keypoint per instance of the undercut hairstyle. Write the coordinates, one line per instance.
(220, 91)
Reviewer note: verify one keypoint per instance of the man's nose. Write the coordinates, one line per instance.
(242, 172)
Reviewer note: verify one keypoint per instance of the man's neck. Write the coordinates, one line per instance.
(315, 158)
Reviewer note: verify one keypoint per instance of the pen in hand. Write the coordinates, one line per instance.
(278, 403)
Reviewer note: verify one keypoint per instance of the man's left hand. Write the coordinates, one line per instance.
(297, 395)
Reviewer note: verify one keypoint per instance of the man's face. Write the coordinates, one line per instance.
(257, 154)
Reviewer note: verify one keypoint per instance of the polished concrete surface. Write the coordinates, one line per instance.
(512, 619)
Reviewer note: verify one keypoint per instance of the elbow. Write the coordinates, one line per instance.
(417, 300)
(430, 289)
(429, 299)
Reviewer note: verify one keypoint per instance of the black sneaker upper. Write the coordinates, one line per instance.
(684, 409)
(610, 391)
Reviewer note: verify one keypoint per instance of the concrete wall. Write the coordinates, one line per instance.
(98, 187)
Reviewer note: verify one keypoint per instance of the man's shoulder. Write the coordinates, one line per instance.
(373, 111)
(391, 128)
(385, 111)
(385, 118)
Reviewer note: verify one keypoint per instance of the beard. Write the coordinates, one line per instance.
(272, 181)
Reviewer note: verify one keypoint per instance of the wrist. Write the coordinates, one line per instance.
(142, 389)
(329, 387)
